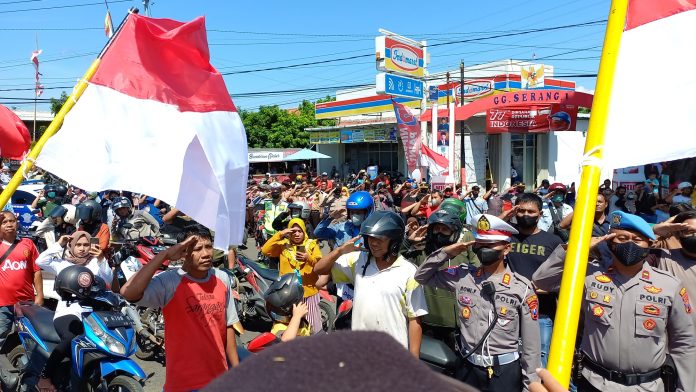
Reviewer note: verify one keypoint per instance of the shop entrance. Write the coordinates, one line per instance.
(524, 163)
(361, 155)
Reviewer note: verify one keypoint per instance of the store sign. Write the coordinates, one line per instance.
(266, 156)
(367, 135)
(325, 137)
(399, 85)
(542, 118)
(474, 89)
(397, 56)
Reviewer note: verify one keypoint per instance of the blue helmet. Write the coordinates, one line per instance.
(359, 205)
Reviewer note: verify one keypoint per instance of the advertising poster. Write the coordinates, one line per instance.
(541, 118)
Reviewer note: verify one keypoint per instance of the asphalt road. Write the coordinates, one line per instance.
(158, 371)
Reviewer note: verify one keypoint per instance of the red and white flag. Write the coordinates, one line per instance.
(652, 113)
(157, 119)
(108, 25)
(437, 164)
(410, 133)
(38, 90)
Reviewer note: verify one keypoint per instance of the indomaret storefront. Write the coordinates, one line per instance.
(520, 137)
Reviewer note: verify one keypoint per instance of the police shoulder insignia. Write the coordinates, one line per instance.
(645, 275)
(466, 312)
(685, 297)
(506, 279)
(598, 310)
(533, 304)
(603, 278)
(649, 324)
(593, 294)
(653, 289)
(607, 298)
(483, 224)
(651, 310)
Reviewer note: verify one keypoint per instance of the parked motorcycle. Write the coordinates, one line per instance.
(99, 357)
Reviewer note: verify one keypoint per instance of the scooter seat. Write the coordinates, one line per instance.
(266, 273)
(42, 321)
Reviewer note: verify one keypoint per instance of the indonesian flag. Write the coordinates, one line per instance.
(157, 119)
(652, 113)
(108, 25)
(14, 135)
(38, 89)
(437, 164)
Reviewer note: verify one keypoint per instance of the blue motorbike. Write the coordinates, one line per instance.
(99, 357)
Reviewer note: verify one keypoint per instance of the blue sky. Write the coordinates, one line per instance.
(258, 34)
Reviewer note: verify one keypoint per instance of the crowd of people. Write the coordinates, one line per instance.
(476, 267)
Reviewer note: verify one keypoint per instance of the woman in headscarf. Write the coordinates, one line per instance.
(68, 251)
(298, 253)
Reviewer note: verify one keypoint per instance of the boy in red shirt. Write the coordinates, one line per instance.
(198, 311)
(19, 274)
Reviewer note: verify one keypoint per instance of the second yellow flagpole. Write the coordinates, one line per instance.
(570, 297)
(56, 123)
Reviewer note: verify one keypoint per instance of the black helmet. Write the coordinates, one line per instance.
(58, 212)
(49, 188)
(61, 190)
(385, 224)
(282, 294)
(121, 202)
(74, 282)
(448, 218)
(89, 211)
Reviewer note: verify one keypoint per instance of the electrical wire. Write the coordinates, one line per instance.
(61, 6)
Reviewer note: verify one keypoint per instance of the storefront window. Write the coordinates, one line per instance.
(361, 155)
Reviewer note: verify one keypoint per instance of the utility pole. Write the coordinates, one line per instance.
(462, 126)
(146, 6)
(36, 92)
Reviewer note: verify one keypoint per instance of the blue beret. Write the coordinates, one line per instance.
(626, 221)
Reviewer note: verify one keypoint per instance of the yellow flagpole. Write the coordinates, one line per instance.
(570, 297)
(57, 121)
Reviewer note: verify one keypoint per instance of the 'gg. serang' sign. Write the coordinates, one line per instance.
(399, 57)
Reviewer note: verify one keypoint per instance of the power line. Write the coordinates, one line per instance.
(61, 7)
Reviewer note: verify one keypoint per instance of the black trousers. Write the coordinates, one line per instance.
(67, 328)
(506, 378)
(585, 386)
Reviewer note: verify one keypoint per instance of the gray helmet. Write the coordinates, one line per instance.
(121, 202)
(282, 294)
(89, 211)
(445, 217)
(385, 224)
(302, 206)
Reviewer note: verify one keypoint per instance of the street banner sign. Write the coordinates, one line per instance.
(401, 86)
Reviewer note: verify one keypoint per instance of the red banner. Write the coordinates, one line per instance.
(533, 118)
(410, 132)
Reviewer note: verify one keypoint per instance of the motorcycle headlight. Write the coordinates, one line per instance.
(107, 340)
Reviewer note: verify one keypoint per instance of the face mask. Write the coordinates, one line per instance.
(527, 221)
(275, 195)
(51, 195)
(688, 243)
(557, 199)
(629, 253)
(357, 219)
(488, 256)
(434, 203)
(436, 241)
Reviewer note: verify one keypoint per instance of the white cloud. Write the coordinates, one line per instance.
(583, 89)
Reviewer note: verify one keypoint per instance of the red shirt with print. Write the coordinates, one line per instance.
(17, 272)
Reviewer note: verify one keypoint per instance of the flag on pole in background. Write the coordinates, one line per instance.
(157, 119)
(410, 133)
(652, 113)
(437, 164)
(108, 25)
(38, 90)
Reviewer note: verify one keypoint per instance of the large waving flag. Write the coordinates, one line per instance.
(14, 135)
(652, 113)
(157, 119)
(437, 164)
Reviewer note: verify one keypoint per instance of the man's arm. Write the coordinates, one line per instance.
(530, 336)
(548, 276)
(429, 273)
(135, 287)
(38, 287)
(323, 231)
(682, 340)
(566, 221)
(168, 218)
(231, 347)
(323, 266)
(415, 336)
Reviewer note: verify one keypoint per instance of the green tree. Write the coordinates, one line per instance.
(57, 103)
(273, 127)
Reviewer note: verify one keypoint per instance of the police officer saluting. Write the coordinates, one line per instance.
(495, 308)
(634, 315)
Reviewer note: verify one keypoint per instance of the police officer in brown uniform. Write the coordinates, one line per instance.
(495, 308)
(634, 314)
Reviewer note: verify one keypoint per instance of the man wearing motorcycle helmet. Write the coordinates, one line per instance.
(359, 206)
(89, 216)
(387, 298)
(131, 224)
(284, 303)
(47, 200)
(554, 210)
(198, 309)
(297, 209)
(272, 208)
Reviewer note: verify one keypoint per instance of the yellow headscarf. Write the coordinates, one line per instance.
(298, 222)
(345, 188)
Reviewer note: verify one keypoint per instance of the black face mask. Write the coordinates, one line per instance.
(488, 256)
(527, 221)
(436, 241)
(629, 253)
(275, 195)
(688, 243)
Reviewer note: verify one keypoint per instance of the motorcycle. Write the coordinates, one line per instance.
(99, 357)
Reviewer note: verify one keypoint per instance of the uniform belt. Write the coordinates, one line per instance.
(619, 377)
(493, 360)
